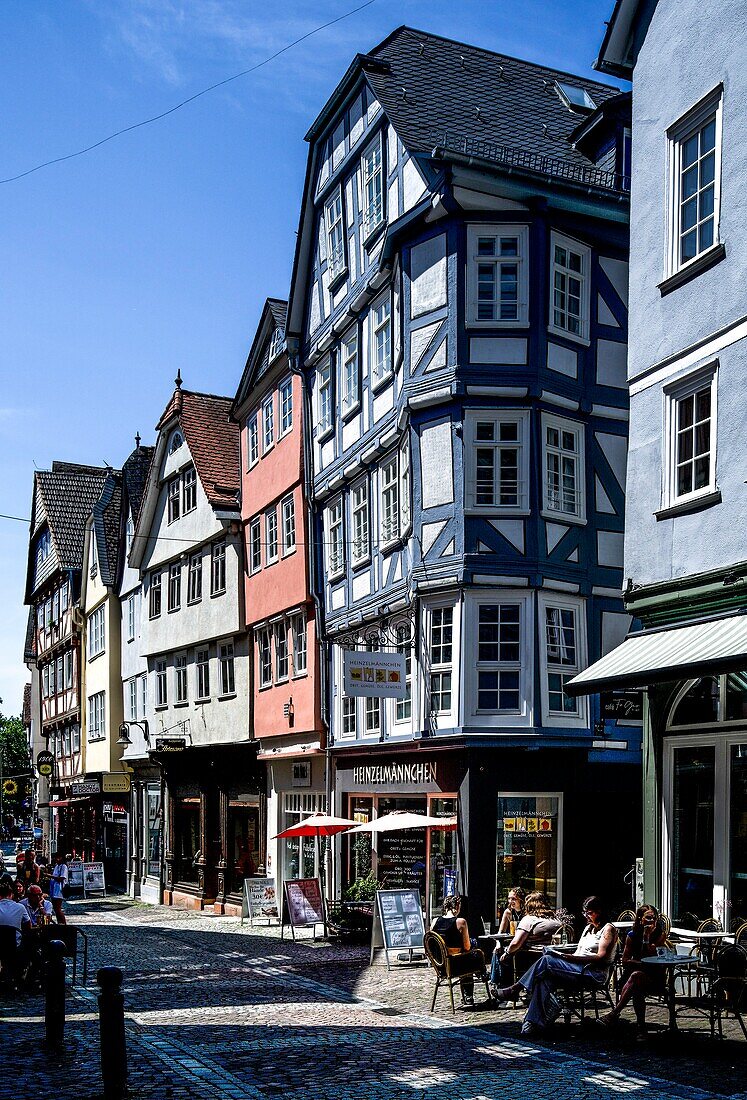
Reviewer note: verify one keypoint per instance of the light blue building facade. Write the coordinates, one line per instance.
(459, 314)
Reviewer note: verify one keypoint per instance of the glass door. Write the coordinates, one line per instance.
(527, 846)
(737, 900)
(442, 870)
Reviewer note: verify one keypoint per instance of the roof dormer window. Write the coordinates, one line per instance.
(276, 343)
(575, 98)
(176, 442)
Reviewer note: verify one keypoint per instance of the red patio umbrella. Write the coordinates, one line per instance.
(318, 825)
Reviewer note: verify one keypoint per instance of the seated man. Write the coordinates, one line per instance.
(589, 964)
(12, 915)
(38, 907)
(538, 926)
(454, 932)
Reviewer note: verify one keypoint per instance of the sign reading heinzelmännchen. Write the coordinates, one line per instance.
(378, 675)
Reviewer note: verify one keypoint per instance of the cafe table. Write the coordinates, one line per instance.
(672, 964)
(704, 941)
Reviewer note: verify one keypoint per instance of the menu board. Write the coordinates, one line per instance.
(303, 906)
(259, 900)
(398, 922)
(401, 859)
(93, 878)
(75, 874)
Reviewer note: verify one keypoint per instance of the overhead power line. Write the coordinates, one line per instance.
(189, 99)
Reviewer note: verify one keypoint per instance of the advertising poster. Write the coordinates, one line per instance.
(379, 675)
(398, 922)
(93, 878)
(260, 900)
(303, 906)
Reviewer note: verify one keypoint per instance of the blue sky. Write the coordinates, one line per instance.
(156, 251)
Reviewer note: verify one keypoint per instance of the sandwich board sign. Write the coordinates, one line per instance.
(303, 906)
(259, 901)
(93, 879)
(398, 923)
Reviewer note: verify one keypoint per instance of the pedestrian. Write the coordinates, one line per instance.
(29, 871)
(58, 885)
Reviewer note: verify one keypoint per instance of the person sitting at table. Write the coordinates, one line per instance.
(454, 932)
(537, 927)
(12, 915)
(641, 942)
(589, 963)
(513, 912)
(39, 908)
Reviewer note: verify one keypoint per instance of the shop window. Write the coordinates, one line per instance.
(736, 696)
(401, 857)
(527, 845)
(738, 837)
(442, 855)
(699, 705)
(153, 827)
(244, 837)
(359, 856)
(186, 839)
(693, 782)
(300, 855)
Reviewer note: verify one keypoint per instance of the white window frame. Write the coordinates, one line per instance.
(271, 536)
(389, 513)
(174, 594)
(579, 717)
(285, 407)
(276, 344)
(255, 545)
(288, 512)
(325, 413)
(162, 683)
(372, 186)
(711, 106)
(189, 490)
(194, 578)
(565, 273)
(97, 632)
(173, 499)
(334, 224)
(525, 714)
(155, 590)
(132, 693)
(252, 440)
(334, 539)
(181, 687)
(264, 658)
(97, 716)
(218, 568)
(380, 366)
(441, 718)
(360, 516)
(268, 423)
(226, 670)
(522, 444)
(202, 675)
(521, 260)
(282, 652)
(400, 706)
(131, 617)
(299, 631)
(549, 502)
(349, 358)
(143, 694)
(405, 511)
(507, 610)
(704, 378)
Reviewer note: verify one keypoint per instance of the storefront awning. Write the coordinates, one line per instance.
(668, 653)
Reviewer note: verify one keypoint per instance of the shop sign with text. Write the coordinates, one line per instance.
(387, 774)
(115, 783)
(377, 675)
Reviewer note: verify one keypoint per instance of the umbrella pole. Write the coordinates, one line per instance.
(321, 882)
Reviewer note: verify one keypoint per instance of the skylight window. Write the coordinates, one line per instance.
(575, 98)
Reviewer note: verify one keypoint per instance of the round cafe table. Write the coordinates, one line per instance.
(672, 963)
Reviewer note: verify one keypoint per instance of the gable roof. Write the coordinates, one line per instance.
(107, 525)
(135, 478)
(213, 441)
(274, 315)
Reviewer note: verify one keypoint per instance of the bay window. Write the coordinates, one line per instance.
(497, 275)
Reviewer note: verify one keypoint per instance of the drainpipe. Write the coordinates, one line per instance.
(323, 646)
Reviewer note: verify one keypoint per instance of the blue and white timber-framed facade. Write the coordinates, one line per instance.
(459, 313)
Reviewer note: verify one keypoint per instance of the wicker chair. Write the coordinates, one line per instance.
(625, 916)
(585, 999)
(740, 934)
(438, 956)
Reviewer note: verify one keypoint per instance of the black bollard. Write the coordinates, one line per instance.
(54, 1008)
(112, 1032)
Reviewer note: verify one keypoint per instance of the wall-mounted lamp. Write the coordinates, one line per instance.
(124, 732)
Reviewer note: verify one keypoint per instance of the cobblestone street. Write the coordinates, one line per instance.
(214, 1010)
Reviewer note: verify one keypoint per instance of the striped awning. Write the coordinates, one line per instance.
(668, 653)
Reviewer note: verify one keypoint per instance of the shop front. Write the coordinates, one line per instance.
(296, 789)
(92, 822)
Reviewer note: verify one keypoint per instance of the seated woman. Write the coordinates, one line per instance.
(514, 911)
(641, 942)
(538, 926)
(454, 932)
(589, 963)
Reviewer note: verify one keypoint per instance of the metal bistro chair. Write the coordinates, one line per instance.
(438, 956)
(727, 994)
(740, 935)
(581, 1000)
(705, 951)
(8, 956)
(625, 916)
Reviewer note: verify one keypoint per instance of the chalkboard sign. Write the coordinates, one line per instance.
(303, 906)
(259, 901)
(402, 859)
(398, 922)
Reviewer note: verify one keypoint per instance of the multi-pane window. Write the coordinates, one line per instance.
(497, 476)
(404, 485)
(286, 405)
(403, 707)
(68, 670)
(95, 552)
(155, 595)
(271, 535)
(349, 367)
(190, 489)
(281, 652)
(264, 643)
(563, 462)
(324, 388)
(162, 691)
(194, 578)
(570, 288)
(252, 440)
(335, 234)
(561, 648)
(173, 494)
(143, 694)
(360, 547)
(268, 423)
(180, 678)
(390, 517)
(276, 343)
(440, 653)
(202, 673)
(381, 339)
(131, 617)
(372, 715)
(175, 586)
(226, 669)
(96, 632)
(96, 717)
(695, 156)
(693, 442)
(218, 568)
(334, 539)
(498, 657)
(497, 275)
(373, 187)
(298, 628)
(349, 716)
(255, 545)
(132, 700)
(288, 509)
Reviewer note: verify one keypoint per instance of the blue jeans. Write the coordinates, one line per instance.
(546, 975)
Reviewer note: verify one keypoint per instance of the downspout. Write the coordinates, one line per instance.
(322, 644)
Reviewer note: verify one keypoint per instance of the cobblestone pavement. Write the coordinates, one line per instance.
(215, 1010)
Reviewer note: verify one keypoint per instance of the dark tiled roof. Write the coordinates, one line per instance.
(274, 315)
(29, 645)
(107, 525)
(135, 477)
(279, 310)
(26, 711)
(68, 493)
(213, 441)
(432, 88)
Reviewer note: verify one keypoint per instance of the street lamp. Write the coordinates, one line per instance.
(124, 732)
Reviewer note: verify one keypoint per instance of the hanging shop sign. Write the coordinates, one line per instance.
(378, 675)
(528, 825)
(88, 786)
(44, 762)
(171, 744)
(627, 705)
(259, 901)
(302, 905)
(398, 922)
(115, 783)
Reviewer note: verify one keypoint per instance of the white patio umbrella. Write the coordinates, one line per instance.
(403, 819)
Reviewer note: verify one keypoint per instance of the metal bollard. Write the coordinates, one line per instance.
(54, 1008)
(112, 1032)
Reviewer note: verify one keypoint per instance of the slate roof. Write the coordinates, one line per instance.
(68, 492)
(213, 440)
(279, 310)
(433, 89)
(107, 525)
(26, 710)
(135, 477)
(29, 644)
(274, 315)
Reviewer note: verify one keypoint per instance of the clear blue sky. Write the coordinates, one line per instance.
(156, 251)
